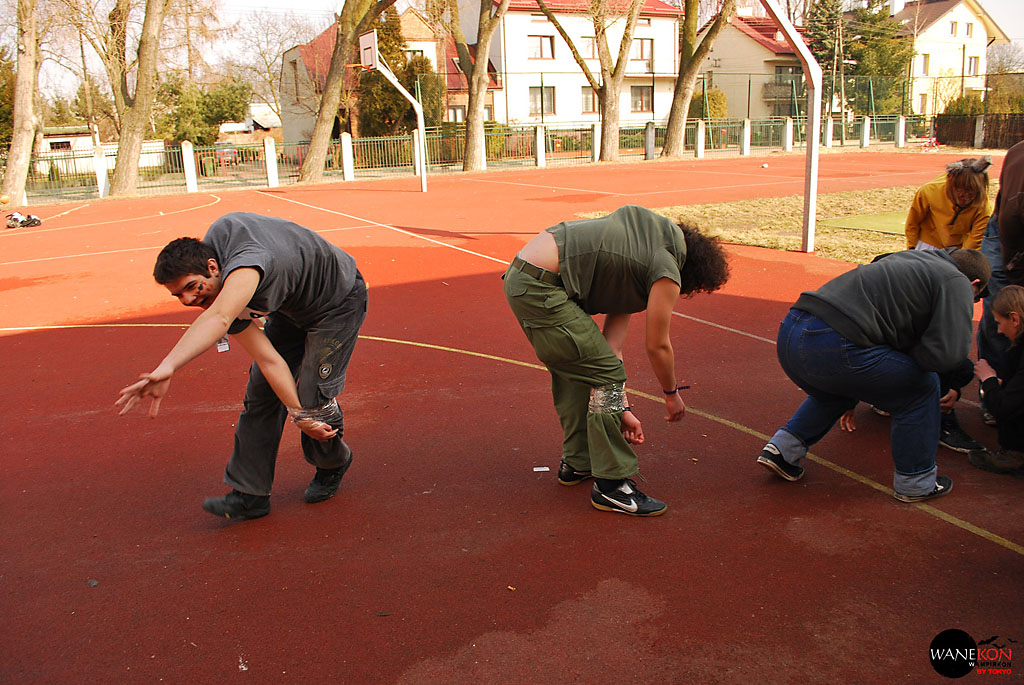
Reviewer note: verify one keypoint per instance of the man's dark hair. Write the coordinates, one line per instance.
(706, 268)
(972, 264)
(182, 257)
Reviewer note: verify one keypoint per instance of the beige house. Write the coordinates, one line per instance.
(950, 42)
(304, 75)
(753, 65)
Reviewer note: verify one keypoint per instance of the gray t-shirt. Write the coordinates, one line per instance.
(302, 276)
(608, 265)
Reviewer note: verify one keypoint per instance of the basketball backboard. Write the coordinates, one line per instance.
(368, 49)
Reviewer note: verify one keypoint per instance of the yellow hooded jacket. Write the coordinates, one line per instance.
(931, 213)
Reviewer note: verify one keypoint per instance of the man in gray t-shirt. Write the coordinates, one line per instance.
(247, 270)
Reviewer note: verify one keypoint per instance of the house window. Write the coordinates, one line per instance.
(925, 59)
(458, 67)
(538, 17)
(641, 98)
(588, 47)
(952, 28)
(295, 79)
(456, 113)
(591, 105)
(969, 30)
(488, 112)
(540, 47)
(60, 145)
(924, 103)
(542, 100)
(409, 54)
(787, 74)
(972, 66)
(642, 49)
(643, 21)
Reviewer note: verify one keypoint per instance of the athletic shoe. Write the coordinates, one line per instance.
(880, 412)
(956, 439)
(987, 418)
(567, 475)
(943, 484)
(30, 221)
(626, 499)
(1002, 461)
(772, 459)
(325, 483)
(238, 505)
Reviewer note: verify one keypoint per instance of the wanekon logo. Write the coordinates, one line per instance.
(954, 654)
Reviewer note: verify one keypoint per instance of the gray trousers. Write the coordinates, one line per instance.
(318, 358)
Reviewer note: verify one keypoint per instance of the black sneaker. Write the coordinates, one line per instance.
(626, 499)
(943, 484)
(325, 483)
(567, 475)
(1001, 461)
(987, 418)
(880, 412)
(956, 439)
(772, 459)
(238, 505)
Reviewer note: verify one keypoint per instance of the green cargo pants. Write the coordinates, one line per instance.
(570, 344)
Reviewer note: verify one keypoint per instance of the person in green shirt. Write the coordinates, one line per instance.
(630, 261)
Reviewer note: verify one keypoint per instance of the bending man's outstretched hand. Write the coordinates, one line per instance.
(154, 384)
(631, 429)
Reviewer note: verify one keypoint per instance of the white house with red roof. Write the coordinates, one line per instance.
(951, 38)
(541, 81)
(753, 65)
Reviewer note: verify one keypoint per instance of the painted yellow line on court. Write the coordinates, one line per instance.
(941, 515)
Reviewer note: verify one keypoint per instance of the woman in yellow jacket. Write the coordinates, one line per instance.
(952, 210)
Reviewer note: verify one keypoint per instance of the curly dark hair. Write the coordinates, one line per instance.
(706, 268)
(182, 257)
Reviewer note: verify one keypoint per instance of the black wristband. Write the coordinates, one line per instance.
(629, 409)
(673, 391)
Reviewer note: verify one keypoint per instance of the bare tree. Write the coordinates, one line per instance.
(609, 86)
(1006, 58)
(263, 39)
(357, 16)
(691, 57)
(135, 107)
(446, 13)
(26, 123)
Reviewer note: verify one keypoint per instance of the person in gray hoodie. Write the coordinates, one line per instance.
(881, 333)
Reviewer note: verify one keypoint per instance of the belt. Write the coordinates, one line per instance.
(549, 277)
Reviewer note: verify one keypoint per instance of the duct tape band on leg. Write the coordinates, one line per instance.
(327, 412)
(608, 399)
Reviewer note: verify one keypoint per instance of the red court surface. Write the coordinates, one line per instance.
(446, 557)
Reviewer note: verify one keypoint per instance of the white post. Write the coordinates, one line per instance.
(901, 131)
(979, 131)
(865, 131)
(787, 135)
(812, 74)
(100, 166)
(270, 154)
(348, 157)
(745, 143)
(188, 163)
(828, 131)
(540, 152)
(419, 137)
(596, 152)
(699, 139)
(416, 170)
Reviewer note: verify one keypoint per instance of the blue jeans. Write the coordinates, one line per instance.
(992, 345)
(836, 374)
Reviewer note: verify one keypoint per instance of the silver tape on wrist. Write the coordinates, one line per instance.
(608, 399)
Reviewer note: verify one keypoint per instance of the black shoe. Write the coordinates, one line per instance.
(943, 484)
(238, 505)
(567, 475)
(772, 459)
(325, 483)
(880, 412)
(626, 499)
(1001, 461)
(987, 418)
(956, 439)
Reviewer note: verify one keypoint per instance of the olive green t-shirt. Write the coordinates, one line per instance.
(608, 265)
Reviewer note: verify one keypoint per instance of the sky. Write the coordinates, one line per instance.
(1008, 15)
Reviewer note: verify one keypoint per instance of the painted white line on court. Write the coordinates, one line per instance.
(216, 199)
(724, 328)
(543, 187)
(371, 222)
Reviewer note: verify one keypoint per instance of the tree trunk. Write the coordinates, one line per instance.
(357, 16)
(609, 98)
(19, 155)
(136, 116)
(475, 156)
(675, 129)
